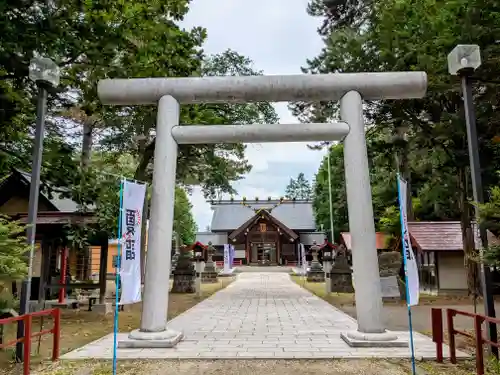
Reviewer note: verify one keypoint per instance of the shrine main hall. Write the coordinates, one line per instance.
(268, 231)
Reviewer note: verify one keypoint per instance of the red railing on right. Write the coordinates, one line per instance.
(236, 262)
(480, 340)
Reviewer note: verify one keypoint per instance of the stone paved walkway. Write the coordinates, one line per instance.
(260, 315)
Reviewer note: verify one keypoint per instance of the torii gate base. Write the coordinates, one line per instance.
(350, 89)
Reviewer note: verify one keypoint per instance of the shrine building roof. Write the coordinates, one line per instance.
(229, 215)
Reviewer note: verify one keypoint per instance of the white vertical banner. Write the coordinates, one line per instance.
(130, 257)
(227, 267)
(411, 268)
(232, 253)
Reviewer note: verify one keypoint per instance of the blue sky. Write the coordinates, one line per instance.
(278, 36)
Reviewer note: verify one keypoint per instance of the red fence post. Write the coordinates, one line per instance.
(437, 332)
(478, 327)
(27, 344)
(451, 335)
(56, 334)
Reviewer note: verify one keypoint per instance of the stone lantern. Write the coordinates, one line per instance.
(210, 265)
(184, 274)
(341, 274)
(209, 274)
(315, 273)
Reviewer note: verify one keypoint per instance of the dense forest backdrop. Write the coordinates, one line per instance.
(88, 145)
(425, 140)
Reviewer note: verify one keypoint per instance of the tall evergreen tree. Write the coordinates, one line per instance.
(299, 188)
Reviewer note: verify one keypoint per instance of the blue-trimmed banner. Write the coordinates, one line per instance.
(411, 268)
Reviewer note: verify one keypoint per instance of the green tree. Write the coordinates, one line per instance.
(13, 249)
(184, 223)
(94, 41)
(490, 218)
(339, 198)
(298, 188)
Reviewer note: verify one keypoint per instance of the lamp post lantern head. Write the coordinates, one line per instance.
(464, 57)
(44, 70)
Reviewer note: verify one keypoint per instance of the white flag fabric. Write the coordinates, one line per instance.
(232, 253)
(130, 258)
(411, 268)
(227, 267)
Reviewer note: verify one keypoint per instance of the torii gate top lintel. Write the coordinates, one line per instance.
(266, 88)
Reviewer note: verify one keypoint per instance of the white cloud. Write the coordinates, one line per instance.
(278, 36)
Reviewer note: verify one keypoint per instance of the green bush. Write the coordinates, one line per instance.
(8, 301)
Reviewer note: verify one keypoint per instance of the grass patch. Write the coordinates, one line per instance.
(492, 367)
(80, 327)
(343, 299)
(318, 289)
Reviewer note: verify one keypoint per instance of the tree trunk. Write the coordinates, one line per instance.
(147, 156)
(84, 165)
(86, 143)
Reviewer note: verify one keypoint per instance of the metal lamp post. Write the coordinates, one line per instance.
(463, 60)
(45, 73)
(330, 193)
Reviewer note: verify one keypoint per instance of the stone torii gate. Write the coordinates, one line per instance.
(350, 88)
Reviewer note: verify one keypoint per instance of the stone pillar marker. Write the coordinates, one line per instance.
(349, 88)
(390, 264)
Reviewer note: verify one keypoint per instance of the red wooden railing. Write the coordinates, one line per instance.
(236, 262)
(29, 334)
(437, 335)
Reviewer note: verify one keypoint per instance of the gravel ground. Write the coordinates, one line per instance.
(237, 367)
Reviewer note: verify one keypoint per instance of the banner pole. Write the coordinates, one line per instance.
(410, 324)
(117, 276)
